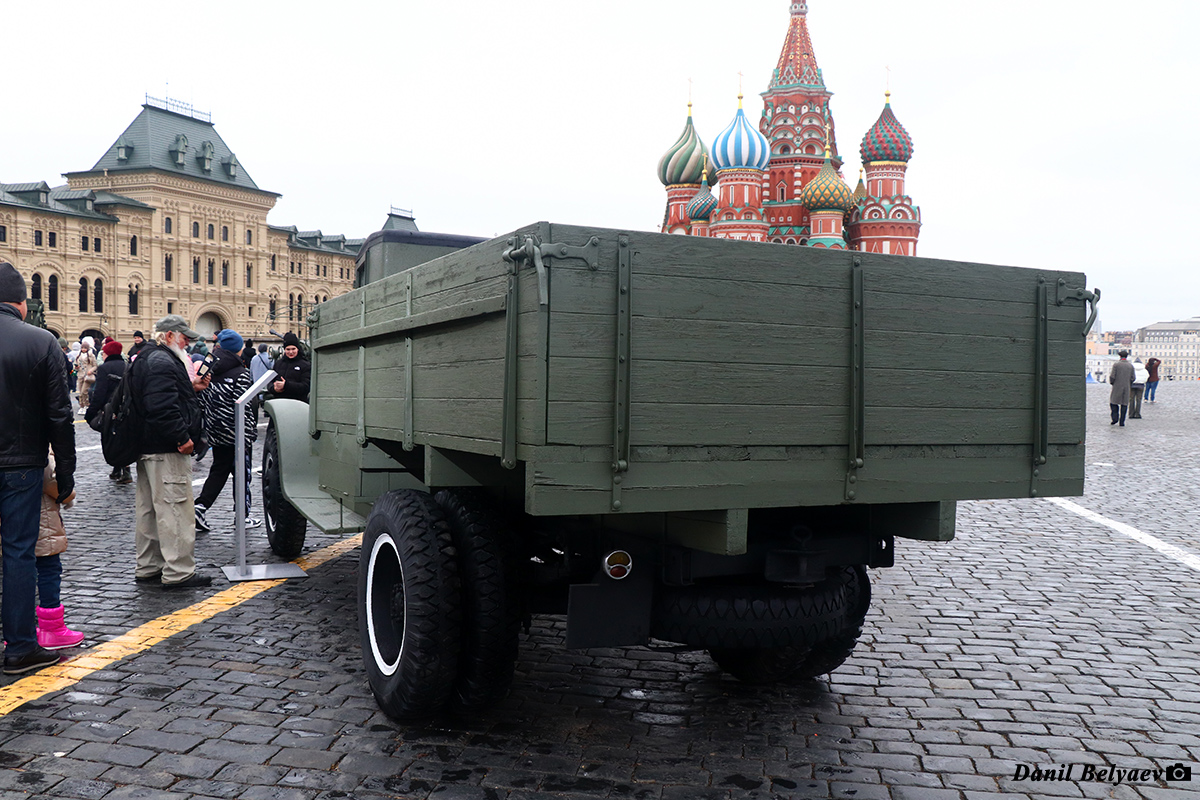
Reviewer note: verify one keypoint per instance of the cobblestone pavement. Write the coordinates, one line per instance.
(1038, 638)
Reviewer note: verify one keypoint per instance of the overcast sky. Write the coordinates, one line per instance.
(1056, 133)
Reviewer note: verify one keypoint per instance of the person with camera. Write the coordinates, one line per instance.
(35, 417)
(171, 431)
(230, 380)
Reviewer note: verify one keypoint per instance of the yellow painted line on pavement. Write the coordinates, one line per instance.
(66, 674)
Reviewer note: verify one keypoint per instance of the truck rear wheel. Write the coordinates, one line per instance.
(801, 661)
(832, 653)
(409, 605)
(491, 623)
(285, 525)
(749, 616)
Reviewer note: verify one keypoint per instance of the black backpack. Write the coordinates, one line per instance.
(120, 425)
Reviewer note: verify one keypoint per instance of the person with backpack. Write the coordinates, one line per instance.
(108, 377)
(171, 429)
(230, 380)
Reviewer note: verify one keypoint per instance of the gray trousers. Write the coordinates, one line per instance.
(1135, 402)
(166, 517)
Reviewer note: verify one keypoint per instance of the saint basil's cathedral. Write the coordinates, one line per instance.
(781, 183)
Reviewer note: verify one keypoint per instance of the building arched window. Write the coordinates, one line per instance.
(249, 236)
(271, 307)
(224, 273)
(52, 292)
(211, 232)
(168, 267)
(272, 262)
(196, 270)
(35, 287)
(195, 230)
(212, 271)
(224, 233)
(291, 308)
(133, 300)
(167, 225)
(249, 274)
(133, 245)
(83, 294)
(98, 304)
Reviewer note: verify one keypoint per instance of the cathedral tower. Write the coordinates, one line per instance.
(680, 171)
(886, 221)
(740, 155)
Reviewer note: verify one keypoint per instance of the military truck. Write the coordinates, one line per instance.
(677, 441)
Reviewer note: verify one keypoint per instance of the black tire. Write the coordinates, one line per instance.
(759, 665)
(285, 525)
(832, 653)
(409, 605)
(491, 618)
(754, 616)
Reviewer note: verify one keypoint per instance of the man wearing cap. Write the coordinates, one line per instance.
(172, 428)
(294, 372)
(230, 380)
(1121, 378)
(35, 416)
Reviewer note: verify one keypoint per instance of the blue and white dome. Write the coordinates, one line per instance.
(741, 146)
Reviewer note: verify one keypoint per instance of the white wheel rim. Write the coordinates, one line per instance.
(384, 666)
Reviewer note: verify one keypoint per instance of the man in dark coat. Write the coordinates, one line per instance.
(35, 416)
(295, 373)
(139, 342)
(108, 375)
(1121, 378)
(172, 429)
(230, 380)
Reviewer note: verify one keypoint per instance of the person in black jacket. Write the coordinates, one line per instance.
(295, 372)
(172, 429)
(35, 416)
(139, 342)
(230, 380)
(108, 376)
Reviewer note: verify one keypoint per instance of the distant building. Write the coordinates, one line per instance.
(781, 182)
(1176, 344)
(167, 221)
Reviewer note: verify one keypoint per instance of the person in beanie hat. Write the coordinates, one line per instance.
(108, 376)
(35, 417)
(139, 341)
(230, 380)
(295, 373)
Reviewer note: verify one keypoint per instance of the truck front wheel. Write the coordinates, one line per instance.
(409, 605)
(285, 525)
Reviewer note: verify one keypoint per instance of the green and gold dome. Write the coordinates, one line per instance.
(827, 191)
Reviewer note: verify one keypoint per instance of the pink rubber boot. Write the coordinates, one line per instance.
(53, 633)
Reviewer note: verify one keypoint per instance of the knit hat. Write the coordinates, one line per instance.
(138, 335)
(12, 284)
(230, 340)
(113, 348)
(291, 340)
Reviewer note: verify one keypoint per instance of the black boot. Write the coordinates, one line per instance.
(125, 476)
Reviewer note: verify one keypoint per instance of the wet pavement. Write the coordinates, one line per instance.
(1039, 644)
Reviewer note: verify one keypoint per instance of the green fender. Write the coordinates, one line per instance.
(299, 467)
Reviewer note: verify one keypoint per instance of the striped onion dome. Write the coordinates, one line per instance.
(827, 191)
(741, 146)
(684, 162)
(887, 140)
(703, 204)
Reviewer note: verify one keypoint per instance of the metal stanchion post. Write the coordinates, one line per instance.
(241, 572)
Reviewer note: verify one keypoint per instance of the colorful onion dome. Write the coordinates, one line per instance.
(741, 146)
(684, 162)
(703, 204)
(827, 191)
(860, 191)
(887, 140)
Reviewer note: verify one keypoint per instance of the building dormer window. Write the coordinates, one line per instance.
(179, 149)
(231, 165)
(205, 156)
(123, 149)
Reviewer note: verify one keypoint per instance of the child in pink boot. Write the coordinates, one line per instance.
(52, 631)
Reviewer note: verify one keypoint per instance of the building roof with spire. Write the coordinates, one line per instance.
(797, 62)
(684, 161)
(886, 140)
(740, 145)
(177, 143)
